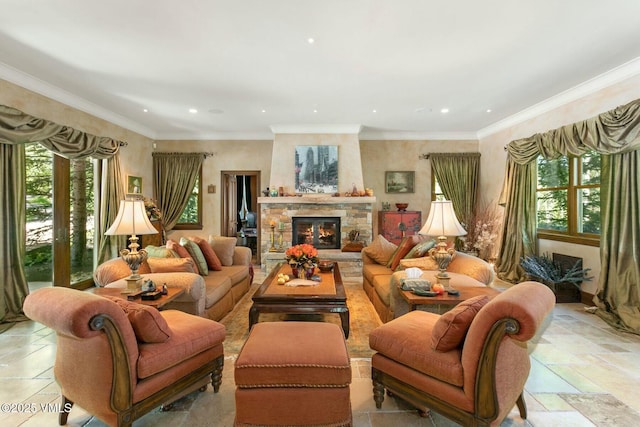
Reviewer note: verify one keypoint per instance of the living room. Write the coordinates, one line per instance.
(376, 152)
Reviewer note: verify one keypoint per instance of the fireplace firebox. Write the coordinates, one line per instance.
(321, 232)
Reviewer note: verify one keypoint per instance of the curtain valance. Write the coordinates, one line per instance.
(612, 132)
(17, 127)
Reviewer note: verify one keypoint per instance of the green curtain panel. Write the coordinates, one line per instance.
(174, 175)
(611, 133)
(458, 175)
(111, 187)
(12, 237)
(16, 129)
(618, 295)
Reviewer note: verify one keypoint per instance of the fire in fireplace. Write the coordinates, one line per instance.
(321, 232)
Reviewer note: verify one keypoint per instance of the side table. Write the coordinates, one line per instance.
(159, 303)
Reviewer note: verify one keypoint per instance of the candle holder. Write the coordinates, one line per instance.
(280, 240)
(273, 239)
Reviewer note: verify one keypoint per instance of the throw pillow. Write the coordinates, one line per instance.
(423, 263)
(146, 321)
(171, 265)
(175, 246)
(451, 328)
(213, 261)
(224, 247)
(380, 250)
(401, 251)
(421, 249)
(196, 254)
(160, 252)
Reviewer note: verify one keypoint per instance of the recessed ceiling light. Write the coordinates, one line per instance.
(264, 111)
(193, 110)
(444, 110)
(488, 110)
(145, 110)
(315, 111)
(311, 40)
(374, 111)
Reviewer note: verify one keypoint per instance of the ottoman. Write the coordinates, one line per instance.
(293, 373)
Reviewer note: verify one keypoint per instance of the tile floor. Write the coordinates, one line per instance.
(583, 373)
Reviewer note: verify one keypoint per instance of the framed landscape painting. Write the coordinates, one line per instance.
(399, 181)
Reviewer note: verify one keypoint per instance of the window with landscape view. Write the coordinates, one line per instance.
(59, 202)
(191, 217)
(568, 199)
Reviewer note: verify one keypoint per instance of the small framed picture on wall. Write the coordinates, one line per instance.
(399, 181)
(134, 185)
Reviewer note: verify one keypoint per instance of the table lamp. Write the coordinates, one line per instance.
(442, 223)
(132, 220)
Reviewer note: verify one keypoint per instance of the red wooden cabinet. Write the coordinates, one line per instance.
(396, 225)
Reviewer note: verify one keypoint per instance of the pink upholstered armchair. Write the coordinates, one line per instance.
(470, 364)
(118, 360)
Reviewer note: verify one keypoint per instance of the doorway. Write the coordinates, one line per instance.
(240, 217)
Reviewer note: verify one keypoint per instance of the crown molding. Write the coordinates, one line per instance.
(36, 85)
(316, 128)
(381, 135)
(218, 136)
(604, 80)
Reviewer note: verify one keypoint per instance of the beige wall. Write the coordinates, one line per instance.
(399, 155)
(135, 158)
(494, 157)
(282, 162)
(228, 155)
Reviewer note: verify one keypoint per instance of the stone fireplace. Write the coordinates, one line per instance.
(354, 213)
(321, 232)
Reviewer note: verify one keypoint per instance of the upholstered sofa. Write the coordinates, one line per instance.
(383, 261)
(471, 363)
(211, 290)
(118, 359)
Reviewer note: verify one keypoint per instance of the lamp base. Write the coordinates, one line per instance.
(444, 281)
(132, 285)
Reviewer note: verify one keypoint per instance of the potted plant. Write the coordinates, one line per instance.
(562, 280)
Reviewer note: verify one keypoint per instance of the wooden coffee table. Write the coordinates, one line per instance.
(328, 297)
(172, 293)
(445, 299)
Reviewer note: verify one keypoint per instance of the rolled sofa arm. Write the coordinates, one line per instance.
(473, 267)
(241, 255)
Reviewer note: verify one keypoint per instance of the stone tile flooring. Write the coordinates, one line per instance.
(584, 373)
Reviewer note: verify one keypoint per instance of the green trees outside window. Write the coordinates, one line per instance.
(568, 197)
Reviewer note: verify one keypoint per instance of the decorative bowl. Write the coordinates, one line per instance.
(325, 266)
(402, 206)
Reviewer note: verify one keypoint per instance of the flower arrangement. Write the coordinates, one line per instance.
(482, 230)
(302, 256)
(153, 212)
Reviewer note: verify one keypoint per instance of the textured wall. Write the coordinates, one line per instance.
(494, 157)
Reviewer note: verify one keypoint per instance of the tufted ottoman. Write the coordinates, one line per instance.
(293, 373)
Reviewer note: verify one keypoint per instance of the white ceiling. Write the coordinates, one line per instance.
(406, 59)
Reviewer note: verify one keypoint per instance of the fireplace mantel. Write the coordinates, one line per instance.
(315, 200)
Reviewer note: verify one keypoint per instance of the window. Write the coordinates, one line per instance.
(59, 202)
(436, 191)
(191, 217)
(568, 199)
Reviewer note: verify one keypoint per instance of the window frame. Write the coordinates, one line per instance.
(573, 186)
(199, 224)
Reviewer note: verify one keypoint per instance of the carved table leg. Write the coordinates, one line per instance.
(216, 375)
(64, 411)
(522, 407)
